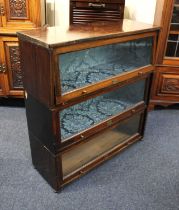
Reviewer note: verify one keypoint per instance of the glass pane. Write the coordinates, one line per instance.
(177, 51)
(175, 18)
(81, 68)
(171, 48)
(173, 37)
(93, 111)
(82, 154)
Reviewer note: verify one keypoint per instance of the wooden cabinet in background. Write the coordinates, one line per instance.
(10, 58)
(20, 13)
(165, 89)
(15, 15)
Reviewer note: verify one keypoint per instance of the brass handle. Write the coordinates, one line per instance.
(140, 73)
(2, 10)
(82, 172)
(96, 5)
(133, 111)
(25, 94)
(114, 82)
(109, 123)
(84, 92)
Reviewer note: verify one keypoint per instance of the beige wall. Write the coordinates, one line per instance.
(62, 12)
(141, 10)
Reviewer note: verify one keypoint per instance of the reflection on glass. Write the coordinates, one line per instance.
(81, 68)
(87, 114)
(173, 37)
(171, 48)
(175, 17)
(82, 154)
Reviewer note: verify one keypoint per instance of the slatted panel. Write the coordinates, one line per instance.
(82, 13)
(84, 16)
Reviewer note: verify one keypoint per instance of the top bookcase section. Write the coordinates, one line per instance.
(82, 60)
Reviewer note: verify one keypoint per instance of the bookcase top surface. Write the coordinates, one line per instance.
(52, 37)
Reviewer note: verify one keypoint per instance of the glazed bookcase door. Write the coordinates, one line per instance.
(104, 109)
(13, 74)
(100, 146)
(96, 64)
(172, 45)
(85, 71)
(20, 13)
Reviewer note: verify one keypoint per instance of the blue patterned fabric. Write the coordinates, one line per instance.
(87, 114)
(81, 68)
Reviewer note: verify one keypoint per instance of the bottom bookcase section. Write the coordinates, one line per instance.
(62, 167)
(98, 146)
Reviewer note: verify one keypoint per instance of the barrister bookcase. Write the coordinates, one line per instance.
(87, 89)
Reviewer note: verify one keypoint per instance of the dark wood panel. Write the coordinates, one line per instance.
(48, 165)
(42, 123)
(37, 73)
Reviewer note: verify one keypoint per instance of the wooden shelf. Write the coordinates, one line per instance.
(173, 32)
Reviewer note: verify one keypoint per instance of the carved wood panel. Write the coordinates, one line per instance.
(14, 72)
(21, 14)
(15, 67)
(170, 84)
(18, 9)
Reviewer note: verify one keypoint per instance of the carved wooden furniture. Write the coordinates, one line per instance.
(165, 90)
(15, 15)
(87, 92)
(86, 11)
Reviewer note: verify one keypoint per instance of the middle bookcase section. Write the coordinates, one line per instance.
(82, 68)
(85, 115)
